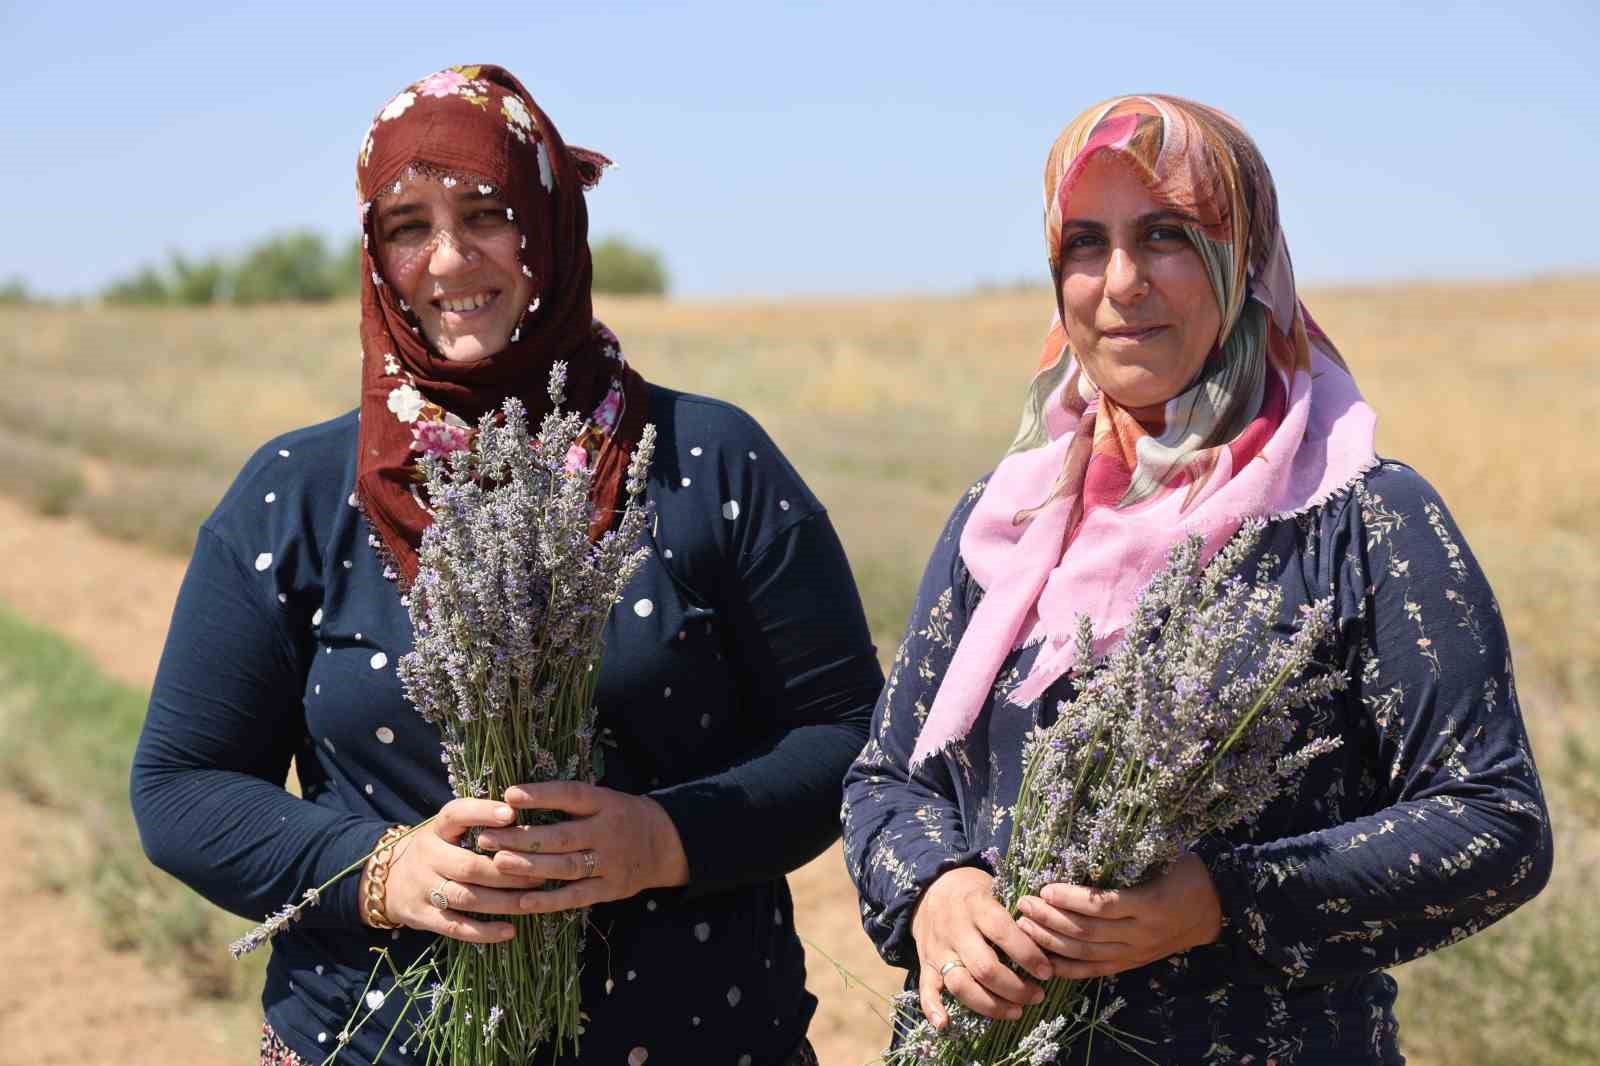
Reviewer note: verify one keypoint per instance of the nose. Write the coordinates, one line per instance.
(1125, 277)
(449, 254)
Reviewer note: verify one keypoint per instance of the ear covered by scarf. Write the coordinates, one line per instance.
(479, 124)
(1275, 424)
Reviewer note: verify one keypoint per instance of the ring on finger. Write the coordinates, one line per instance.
(588, 862)
(951, 964)
(437, 896)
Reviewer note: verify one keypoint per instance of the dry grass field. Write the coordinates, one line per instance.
(134, 421)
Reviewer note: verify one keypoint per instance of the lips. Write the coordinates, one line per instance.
(1132, 334)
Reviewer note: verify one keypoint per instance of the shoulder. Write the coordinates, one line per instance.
(962, 511)
(1397, 486)
(708, 422)
(719, 483)
(292, 482)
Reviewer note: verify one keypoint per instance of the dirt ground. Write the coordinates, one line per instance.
(70, 999)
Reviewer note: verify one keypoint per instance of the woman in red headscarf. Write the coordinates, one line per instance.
(735, 689)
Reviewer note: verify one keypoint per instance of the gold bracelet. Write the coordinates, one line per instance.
(378, 878)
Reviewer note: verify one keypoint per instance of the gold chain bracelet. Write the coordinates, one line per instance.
(378, 878)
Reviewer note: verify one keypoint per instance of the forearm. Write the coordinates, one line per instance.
(766, 816)
(1377, 891)
(900, 836)
(248, 845)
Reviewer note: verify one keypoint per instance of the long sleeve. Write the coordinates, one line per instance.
(805, 664)
(1455, 833)
(226, 717)
(902, 830)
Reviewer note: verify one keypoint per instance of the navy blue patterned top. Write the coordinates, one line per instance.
(1426, 825)
(736, 688)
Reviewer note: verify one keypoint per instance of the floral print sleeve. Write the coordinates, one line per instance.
(1443, 827)
(903, 829)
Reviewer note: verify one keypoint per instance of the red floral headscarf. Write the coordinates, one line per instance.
(478, 123)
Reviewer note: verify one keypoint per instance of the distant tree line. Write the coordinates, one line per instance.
(299, 267)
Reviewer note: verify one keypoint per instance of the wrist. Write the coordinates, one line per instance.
(374, 887)
(671, 865)
(954, 882)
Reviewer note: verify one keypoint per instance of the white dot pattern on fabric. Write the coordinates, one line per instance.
(328, 742)
(697, 451)
(666, 693)
(358, 636)
(270, 497)
(632, 974)
(367, 790)
(745, 1060)
(667, 553)
(734, 996)
(644, 608)
(705, 721)
(284, 452)
(610, 984)
(263, 560)
(637, 1056)
(385, 735)
(375, 999)
(283, 598)
(752, 455)
(777, 916)
(730, 510)
(348, 564)
(316, 617)
(702, 931)
(322, 1038)
(317, 689)
(783, 505)
(695, 1020)
(379, 660)
(650, 905)
(686, 482)
(351, 499)
(319, 969)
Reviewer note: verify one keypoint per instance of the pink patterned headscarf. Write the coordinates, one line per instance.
(1082, 511)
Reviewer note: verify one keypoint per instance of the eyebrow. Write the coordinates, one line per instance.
(403, 210)
(1143, 220)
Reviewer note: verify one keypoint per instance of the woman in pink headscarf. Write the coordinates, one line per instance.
(1184, 389)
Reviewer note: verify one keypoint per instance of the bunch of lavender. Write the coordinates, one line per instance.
(507, 612)
(507, 609)
(1180, 733)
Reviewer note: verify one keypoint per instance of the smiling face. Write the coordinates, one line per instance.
(1136, 302)
(454, 256)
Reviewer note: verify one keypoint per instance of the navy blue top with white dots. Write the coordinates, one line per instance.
(737, 686)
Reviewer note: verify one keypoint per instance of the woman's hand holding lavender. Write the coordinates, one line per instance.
(1090, 932)
(959, 918)
(630, 839)
(432, 856)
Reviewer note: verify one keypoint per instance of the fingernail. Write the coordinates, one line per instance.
(502, 812)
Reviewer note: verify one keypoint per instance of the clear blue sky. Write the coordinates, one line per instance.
(825, 147)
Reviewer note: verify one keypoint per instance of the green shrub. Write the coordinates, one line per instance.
(146, 287)
(14, 291)
(621, 267)
(290, 268)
